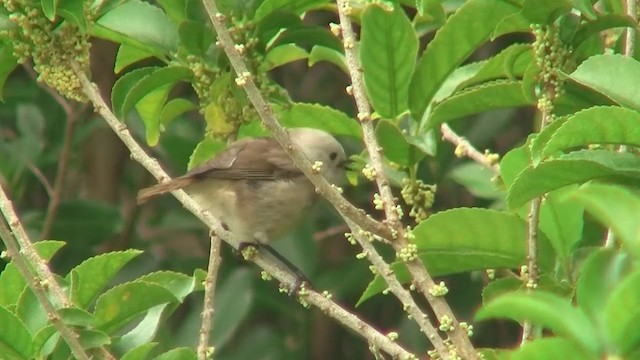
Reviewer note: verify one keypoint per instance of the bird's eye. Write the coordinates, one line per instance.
(333, 155)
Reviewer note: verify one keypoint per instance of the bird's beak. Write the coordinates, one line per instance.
(346, 164)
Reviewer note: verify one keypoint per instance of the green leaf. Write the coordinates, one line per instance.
(167, 76)
(603, 22)
(149, 108)
(322, 53)
(466, 239)
(545, 12)
(174, 108)
(180, 285)
(476, 179)
(307, 36)
(467, 28)
(293, 6)
(31, 312)
(140, 352)
(596, 125)
(11, 281)
(281, 55)
(195, 37)
(388, 50)
(75, 316)
(73, 12)
(320, 117)
(499, 287)
(122, 304)
(144, 331)
(205, 150)
(513, 163)
(490, 96)
(574, 168)
(49, 8)
(93, 274)
(622, 315)
(8, 63)
(511, 63)
(395, 146)
(139, 24)
(615, 207)
(599, 276)
(128, 55)
(551, 348)
(178, 354)
(91, 339)
(540, 140)
(613, 76)
(123, 86)
(15, 340)
(546, 310)
(562, 222)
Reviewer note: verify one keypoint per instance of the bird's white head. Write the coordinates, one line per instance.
(318, 145)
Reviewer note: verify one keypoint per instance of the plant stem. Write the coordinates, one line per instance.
(209, 293)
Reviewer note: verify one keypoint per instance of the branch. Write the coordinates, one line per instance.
(36, 285)
(209, 293)
(424, 282)
(138, 154)
(465, 148)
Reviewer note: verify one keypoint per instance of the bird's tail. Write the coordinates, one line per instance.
(147, 193)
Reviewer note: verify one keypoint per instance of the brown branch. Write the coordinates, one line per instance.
(465, 148)
(209, 294)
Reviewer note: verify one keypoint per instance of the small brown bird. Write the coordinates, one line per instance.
(254, 188)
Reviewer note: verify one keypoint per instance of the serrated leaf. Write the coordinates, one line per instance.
(180, 285)
(622, 316)
(388, 50)
(49, 8)
(545, 11)
(599, 276)
(11, 281)
(15, 340)
(123, 303)
(306, 36)
(322, 53)
(613, 76)
(139, 24)
(320, 117)
(73, 12)
(144, 331)
(466, 239)
(596, 125)
(573, 168)
(75, 316)
(510, 63)
(281, 55)
(551, 348)
(513, 163)
(91, 339)
(31, 312)
(490, 96)
(467, 28)
(93, 274)
(140, 352)
(297, 7)
(178, 354)
(395, 146)
(540, 140)
(477, 179)
(128, 55)
(149, 108)
(195, 37)
(616, 208)
(546, 310)
(123, 86)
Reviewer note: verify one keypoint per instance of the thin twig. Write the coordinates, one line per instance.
(138, 154)
(58, 183)
(35, 283)
(467, 149)
(408, 304)
(422, 279)
(27, 249)
(209, 293)
(532, 260)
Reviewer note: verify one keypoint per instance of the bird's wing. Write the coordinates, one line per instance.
(257, 159)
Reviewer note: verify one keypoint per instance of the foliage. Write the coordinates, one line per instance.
(176, 90)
